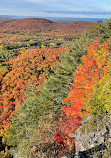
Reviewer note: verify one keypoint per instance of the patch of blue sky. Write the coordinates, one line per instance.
(57, 8)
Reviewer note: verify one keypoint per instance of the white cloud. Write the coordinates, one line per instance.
(56, 8)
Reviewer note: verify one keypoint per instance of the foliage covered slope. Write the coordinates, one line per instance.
(61, 89)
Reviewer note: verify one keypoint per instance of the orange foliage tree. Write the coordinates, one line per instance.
(88, 73)
(30, 66)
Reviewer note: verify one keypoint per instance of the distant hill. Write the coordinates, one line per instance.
(9, 17)
(28, 24)
(40, 25)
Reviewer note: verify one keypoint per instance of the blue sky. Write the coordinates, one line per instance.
(57, 8)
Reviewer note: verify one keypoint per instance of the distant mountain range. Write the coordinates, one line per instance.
(56, 19)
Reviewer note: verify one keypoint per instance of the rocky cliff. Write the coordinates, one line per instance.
(90, 141)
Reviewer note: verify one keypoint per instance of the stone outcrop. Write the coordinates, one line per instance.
(86, 142)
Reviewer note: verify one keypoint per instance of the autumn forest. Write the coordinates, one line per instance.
(52, 76)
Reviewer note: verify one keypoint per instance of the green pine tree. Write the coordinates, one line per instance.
(24, 120)
(101, 30)
(58, 84)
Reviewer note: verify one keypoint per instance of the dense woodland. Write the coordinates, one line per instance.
(52, 75)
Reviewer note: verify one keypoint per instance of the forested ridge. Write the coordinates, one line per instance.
(49, 82)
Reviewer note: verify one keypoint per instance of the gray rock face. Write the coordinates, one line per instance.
(87, 141)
